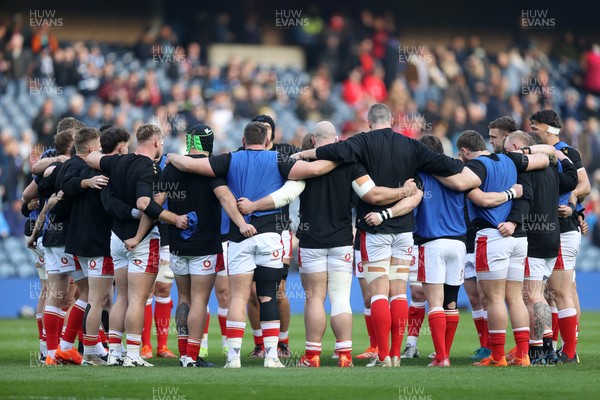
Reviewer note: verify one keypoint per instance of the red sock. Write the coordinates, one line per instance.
(162, 319)
(567, 320)
(40, 325)
(52, 317)
(555, 326)
(382, 323)
(481, 327)
(208, 322)
(452, 318)
(258, 338)
(522, 340)
(222, 321)
(370, 329)
(182, 341)
(80, 334)
(147, 330)
(416, 315)
(486, 330)
(437, 325)
(399, 317)
(285, 340)
(193, 348)
(102, 336)
(75, 321)
(497, 341)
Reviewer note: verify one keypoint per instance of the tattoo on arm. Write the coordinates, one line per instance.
(181, 316)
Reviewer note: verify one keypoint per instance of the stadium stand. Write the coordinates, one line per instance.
(350, 64)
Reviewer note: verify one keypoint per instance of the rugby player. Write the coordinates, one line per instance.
(386, 250)
(543, 241)
(325, 248)
(135, 245)
(255, 254)
(161, 294)
(196, 256)
(88, 238)
(500, 257)
(286, 150)
(548, 124)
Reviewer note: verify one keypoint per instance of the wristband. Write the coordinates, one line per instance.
(526, 150)
(571, 205)
(510, 194)
(386, 214)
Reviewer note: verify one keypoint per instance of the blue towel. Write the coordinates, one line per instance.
(192, 226)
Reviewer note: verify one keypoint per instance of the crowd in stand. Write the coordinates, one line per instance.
(351, 64)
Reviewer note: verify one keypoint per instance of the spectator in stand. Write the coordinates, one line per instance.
(20, 63)
(373, 85)
(44, 124)
(591, 67)
(76, 104)
(44, 39)
(352, 89)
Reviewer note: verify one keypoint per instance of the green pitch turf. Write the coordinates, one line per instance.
(22, 378)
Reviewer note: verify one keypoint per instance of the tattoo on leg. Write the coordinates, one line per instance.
(181, 316)
(542, 318)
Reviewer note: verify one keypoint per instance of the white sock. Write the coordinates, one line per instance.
(412, 340)
(235, 343)
(100, 350)
(270, 341)
(133, 346)
(65, 345)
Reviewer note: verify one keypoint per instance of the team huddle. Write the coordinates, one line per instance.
(392, 210)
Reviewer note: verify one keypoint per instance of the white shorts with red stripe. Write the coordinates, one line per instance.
(286, 239)
(570, 243)
(223, 272)
(59, 262)
(197, 265)
(539, 269)
(498, 257)
(442, 261)
(382, 246)
(470, 266)
(98, 267)
(322, 260)
(359, 271)
(264, 249)
(143, 259)
(38, 251)
(414, 268)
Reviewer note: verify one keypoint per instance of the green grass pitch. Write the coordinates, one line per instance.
(22, 378)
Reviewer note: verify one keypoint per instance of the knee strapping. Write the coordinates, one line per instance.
(339, 292)
(450, 296)
(267, 282)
